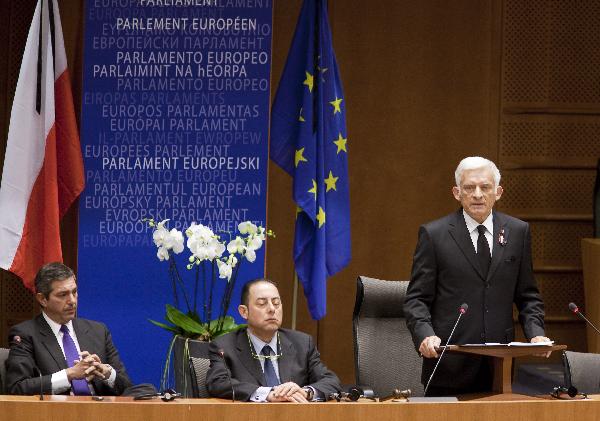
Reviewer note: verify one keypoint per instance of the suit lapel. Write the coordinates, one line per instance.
(83, 337)
(288, 353)
(245, 356)
(51, 343)
(460, 234)
(497, 248)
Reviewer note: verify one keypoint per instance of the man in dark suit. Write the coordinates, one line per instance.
(67, 355)
(479, 257)
(267, 363)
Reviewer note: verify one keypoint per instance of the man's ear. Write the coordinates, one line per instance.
(456, 193)
(243, 310)
(499, 191)
(41, 299)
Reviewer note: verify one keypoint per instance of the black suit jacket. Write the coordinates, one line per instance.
(33, 344)
(299, 363)
(446, 274)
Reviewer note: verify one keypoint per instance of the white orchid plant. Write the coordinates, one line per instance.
(209, 256)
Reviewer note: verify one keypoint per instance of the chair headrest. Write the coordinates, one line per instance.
(380, 298)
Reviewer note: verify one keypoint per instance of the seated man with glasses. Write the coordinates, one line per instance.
(267, 363)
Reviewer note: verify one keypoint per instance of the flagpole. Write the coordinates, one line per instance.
(295, 301)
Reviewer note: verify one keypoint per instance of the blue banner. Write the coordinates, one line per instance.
(174, 125)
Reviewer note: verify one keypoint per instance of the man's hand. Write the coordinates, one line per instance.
(541, 339)
(80, 368)
(96, 368)
(428, 346)
(287, 392)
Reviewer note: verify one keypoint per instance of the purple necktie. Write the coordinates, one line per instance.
(80, 387)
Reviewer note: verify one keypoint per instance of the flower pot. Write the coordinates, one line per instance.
(183, 349)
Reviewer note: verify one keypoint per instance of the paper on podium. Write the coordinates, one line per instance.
(520, 344)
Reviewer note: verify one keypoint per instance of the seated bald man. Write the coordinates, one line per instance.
(267, 363)
(66, 354)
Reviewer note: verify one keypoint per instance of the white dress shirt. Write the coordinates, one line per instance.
(60, 381)
(261, 394)
(472, 228)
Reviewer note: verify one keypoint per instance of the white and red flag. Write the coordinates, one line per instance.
(43, 167)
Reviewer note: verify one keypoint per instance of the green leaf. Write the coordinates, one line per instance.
(185, 322)
(232, 329)
(228, 323)
(194, 316)
(173, 329)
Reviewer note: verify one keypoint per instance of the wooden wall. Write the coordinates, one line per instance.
(426, 83)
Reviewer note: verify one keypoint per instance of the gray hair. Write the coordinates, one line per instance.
(49, 273)
(476, 162)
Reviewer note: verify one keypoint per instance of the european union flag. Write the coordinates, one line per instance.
(309, 141)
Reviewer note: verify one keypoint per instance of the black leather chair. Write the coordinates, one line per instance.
(582, 370)
(3, 358)
(199, 367)
(384, 356)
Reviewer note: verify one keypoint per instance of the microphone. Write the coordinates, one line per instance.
(397, 394)
(353, 394)
(573, 307)
(39, 373)
(462, 310)
(222, 355)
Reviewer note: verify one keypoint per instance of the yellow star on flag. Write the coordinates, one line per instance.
(299, 157)
(321, 217)
(298, 211)
(309, 81)
(314, 189)
(336, 105)
(330, 182)
(340, 143)
(300, 117)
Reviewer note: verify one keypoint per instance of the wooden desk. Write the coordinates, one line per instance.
(511, 407)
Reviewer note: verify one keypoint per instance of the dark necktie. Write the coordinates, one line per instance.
(270, 376)
(483, 250)
(80, 387)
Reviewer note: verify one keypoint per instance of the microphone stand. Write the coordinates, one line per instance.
(575, 310)
(39, 373)
(222, 355)
(463, 310)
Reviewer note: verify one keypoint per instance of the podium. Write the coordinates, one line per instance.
(502, 356)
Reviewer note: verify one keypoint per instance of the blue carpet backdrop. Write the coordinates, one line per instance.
(174, 126)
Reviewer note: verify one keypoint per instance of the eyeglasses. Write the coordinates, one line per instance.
(261, 356)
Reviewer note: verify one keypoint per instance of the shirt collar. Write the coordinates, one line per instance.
(259, 344)
(473, 224)
(56, 326)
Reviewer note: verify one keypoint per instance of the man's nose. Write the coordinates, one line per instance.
(478, 192)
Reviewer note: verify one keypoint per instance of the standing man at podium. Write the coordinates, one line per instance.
(479, 257)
